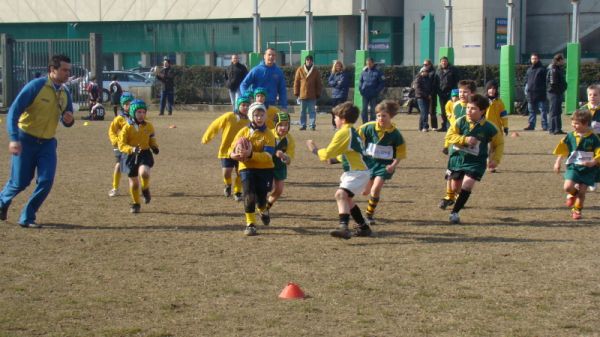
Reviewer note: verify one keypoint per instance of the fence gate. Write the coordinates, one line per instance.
(25, 59)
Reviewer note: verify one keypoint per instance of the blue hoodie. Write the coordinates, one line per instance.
(371, 82)
(271, 78)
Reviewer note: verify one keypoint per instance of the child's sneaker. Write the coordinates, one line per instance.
(370, 219)
(250, 230)
(113, 193)
(570, 200)
(592, 188)
(146, 195)
(454, 218)
(576, 214)
(3, 212)
(444, 203)
(238, 197)
(265, 217)
(135, 208)
(227, 191)
(342, 232)
(363, 230)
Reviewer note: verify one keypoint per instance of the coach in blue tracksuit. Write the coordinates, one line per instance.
(31, 125)
(370, 85)
(267, 75)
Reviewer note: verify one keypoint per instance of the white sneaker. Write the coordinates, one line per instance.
(454, 218)
(113, 193)
(592, 188)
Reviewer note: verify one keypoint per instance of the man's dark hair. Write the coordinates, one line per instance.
(557, 58)
(444, 58)
(535, 54)
(113, 77)
(56, 60)
(308, 57)
(468, 84)
(346, 111)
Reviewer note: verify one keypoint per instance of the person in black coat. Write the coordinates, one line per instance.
(556, 84)
(422, 86)
(234, 75)
(535, 88)
(167, 96)
(447, 79)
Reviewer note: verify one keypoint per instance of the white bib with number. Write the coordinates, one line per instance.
(579, 157)
(380, 151)
(474, 150)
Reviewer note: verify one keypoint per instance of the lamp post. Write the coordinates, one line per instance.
(309, 35)
(362, 53)
(254, 58)
(447, 50)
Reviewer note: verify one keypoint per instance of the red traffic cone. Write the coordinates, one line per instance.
(291, 291)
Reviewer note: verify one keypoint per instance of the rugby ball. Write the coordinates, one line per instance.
(243, 147)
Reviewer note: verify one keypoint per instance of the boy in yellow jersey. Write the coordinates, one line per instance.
(496, 112)
(229, 124)
(113, 134)
(385, 147)
(582, 150)
(346, 147)
(450, 104)
(593, 106)
(469, 138)
(466, 88)
(137, 140)
(285, 150)
(255, 166)
(260, 96)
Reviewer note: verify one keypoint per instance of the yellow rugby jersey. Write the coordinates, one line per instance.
(458, 109)
(136, 135)
(345, 143)
(448, 109)
(496, 113)
(271, 116)
(263, 147)
(115, 127)
(230, 123)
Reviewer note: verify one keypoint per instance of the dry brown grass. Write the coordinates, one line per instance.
(516, 266)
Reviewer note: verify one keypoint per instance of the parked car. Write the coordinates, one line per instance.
(126, 79)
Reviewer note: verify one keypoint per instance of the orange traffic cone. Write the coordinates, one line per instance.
(514, 134)
(291, 291)
(173, 126)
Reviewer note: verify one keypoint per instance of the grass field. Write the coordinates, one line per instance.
(517, 265)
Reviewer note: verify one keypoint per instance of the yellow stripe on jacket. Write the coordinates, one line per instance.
(263, 145)
(230, 123)
(137, 135)
(40, 119)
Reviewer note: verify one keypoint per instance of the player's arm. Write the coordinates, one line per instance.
(113, 133)
(266, 155)
(66, 117)
(153, 143)
(213, 129)
(124, 141)
(336, 147)
(454, 136)
(291, 150)
(503, 117)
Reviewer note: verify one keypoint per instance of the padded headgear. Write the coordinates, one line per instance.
(126, 97)
(135, 105)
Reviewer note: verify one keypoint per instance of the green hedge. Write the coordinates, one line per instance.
(192, 82)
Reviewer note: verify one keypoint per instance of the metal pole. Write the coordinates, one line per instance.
(510, 38)
(448, 24)
(364, 26)
(414, 48)
(256, 24)
(290, 44)
(309, 27)
(575, 26)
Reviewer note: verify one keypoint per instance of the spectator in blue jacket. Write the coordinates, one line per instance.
(370, 86)
(269, 76)
(536, 92)
(340, 82)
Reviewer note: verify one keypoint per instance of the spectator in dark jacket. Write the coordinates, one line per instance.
(422, 86)
(340, 82)
(370, 86)
(234, 75)
(433, 85)
(535, 88)
(167, 96)
(447, 79)
(556, 85)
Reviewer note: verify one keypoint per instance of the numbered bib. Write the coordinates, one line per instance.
(596, 127)
(380, 151)
(474, 150)
(579, 157)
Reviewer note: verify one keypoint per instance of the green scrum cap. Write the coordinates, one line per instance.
(240, 100)
(126, 97)
(283, 117)
(135, 105)
(260, 90)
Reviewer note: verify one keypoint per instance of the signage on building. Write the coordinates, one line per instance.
(501, 32)
(379, 44)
